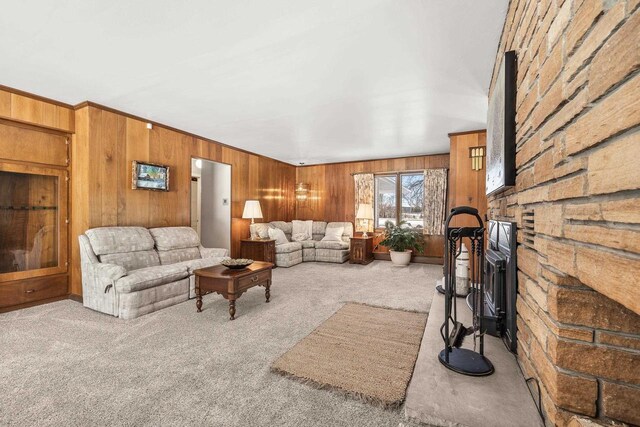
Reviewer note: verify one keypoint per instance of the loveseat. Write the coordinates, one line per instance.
(313, 247)
(131, 271)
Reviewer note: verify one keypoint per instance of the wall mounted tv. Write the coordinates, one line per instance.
(501, 128)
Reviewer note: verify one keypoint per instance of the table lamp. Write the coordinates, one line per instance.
(252, 210)
(365, 212)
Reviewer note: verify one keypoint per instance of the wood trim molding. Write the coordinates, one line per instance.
(384, 256)
(32, 304)
(35, 127)
(76, 298)
(158, 124)
(467, 132)
(369, 160)
(34, 96)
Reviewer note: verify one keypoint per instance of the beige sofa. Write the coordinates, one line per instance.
(131, 271)
(295, 252)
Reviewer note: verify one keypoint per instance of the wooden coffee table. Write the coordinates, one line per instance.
(232, 283)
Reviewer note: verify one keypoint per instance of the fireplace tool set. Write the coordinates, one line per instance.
(453, 332)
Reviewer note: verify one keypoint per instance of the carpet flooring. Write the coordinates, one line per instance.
(362, 351)
(62, 364)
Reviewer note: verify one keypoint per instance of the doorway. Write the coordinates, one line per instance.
(211, 202)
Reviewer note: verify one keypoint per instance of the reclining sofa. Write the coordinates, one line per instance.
(131, 271)
(314, 249)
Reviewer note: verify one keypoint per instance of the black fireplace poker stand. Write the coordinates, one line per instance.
(453, 332)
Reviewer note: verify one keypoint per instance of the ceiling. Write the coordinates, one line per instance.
(309, 81)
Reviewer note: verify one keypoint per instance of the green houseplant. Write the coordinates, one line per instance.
(402, 239)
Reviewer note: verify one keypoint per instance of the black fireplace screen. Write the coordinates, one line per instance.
(501, 285)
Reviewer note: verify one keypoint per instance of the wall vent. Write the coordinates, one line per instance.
(528, 226)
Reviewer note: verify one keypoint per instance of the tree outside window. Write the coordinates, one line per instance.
(399, 195)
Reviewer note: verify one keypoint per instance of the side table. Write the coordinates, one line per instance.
(361, 250)
(258, 249)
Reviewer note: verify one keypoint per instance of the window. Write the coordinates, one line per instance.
(386, 206)
(412, 209)
(399, 195)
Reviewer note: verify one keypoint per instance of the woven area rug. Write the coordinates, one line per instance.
(363, 351)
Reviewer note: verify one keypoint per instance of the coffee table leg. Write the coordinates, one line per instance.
(198, 295)
(232, 309)
(267, 291)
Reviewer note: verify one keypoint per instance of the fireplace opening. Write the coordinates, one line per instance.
(501, 287)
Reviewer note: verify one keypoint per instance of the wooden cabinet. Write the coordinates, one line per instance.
(361, 250)
(34, 217)
(258, 250)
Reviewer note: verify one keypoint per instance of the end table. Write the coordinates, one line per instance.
(361, 250)
(258, 249)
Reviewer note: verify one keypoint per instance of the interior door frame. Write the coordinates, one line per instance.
(230, 196)
(198, 181)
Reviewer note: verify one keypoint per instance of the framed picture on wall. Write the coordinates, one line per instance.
(149, 176)
(501, 128)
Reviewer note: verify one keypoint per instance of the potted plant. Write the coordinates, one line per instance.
(402, 239)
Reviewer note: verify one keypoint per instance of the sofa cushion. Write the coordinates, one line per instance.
(132, 260)
(347, 231)
(333, 234)
(167, 238)
(278, 236)
(195, 264)
(318, 229)
(260, 230)
(332, 244)
(308, 244)
(288, 247)
(286, 227)
(111, 240)
(301, 230)
(178, 255)
(149, 277)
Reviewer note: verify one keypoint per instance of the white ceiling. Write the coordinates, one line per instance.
(299, 80)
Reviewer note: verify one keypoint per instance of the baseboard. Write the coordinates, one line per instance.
(33, 303)
(76, 298)
(384, 256)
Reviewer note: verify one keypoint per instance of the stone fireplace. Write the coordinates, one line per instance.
(576, 204)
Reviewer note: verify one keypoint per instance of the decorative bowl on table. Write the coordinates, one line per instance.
(236, 264)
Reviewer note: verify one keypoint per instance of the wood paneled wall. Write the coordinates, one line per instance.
(466, 186)
(21, 107)
(331, 189)
(107, 141)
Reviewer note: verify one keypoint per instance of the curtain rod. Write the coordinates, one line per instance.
(394, 172)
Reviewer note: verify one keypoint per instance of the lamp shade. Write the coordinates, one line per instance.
(252, 209)
(365, 211)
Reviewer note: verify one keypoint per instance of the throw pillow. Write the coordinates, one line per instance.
(301, 230)
(278, 235)
(333, 234)
(262, 230)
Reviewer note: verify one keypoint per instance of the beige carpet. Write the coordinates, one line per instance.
(363, 351)
(64, 365)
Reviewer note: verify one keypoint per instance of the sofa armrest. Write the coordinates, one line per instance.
(110, 272)
(213, 252)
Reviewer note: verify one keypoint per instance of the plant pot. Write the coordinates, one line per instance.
(400, 259)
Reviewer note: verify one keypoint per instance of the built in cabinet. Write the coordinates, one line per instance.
(34, 216)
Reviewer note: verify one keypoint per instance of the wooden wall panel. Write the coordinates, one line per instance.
(27, 144)
(31, 109)
(466, 186)
(105, 144)
(331, 189)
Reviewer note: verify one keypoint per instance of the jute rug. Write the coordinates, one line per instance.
(363, 351)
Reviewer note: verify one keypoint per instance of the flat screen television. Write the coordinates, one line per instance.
(501, 128)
